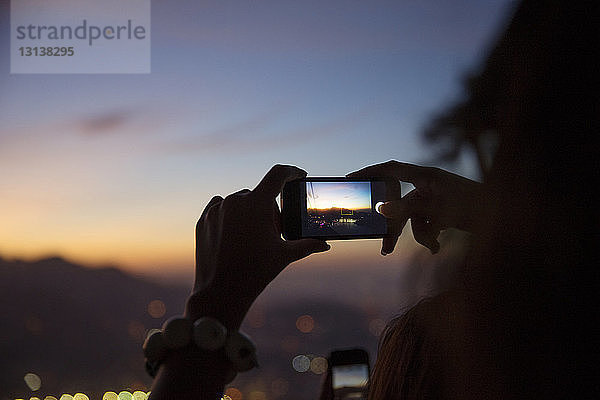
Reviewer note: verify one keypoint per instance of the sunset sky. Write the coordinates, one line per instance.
(117, 168)
(349, 195)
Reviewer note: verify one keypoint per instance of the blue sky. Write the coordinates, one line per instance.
(116, 168)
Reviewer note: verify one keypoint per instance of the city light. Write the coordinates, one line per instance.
(233, 393)
(305, 323)
(110, 395)
(257, 395)
(33, 381)
(290, 344)
(280, 387)
(318, 365)
(301, 363)
(376, 326)
(157, 309)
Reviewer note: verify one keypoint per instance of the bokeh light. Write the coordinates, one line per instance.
(50, 398)
(157, 309)
(136, 331)
(305, 323)
(34, 325)
(66, 397)
(301, 363)
(33, 381)
(139, 395)
(80, 396)
(110, 396)
(290, 344)
(256, 317)
(257, 395)
(234, 393)
(280, 387)
(125, 395)
(376, 326)
(34, 398)
(318, 365)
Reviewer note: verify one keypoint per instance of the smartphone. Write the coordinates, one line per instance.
(349, 374)
(336, 208)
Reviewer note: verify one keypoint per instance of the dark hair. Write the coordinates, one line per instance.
(531, 276)
(533, 262)
(421, 352)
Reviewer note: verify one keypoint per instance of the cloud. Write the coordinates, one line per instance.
(105, 123)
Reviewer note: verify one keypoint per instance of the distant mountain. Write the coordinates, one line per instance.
(78, 329)
(81, 330)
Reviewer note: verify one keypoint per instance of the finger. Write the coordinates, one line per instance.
(395, 228)
(397, 212)
(405, 172)
(388, 244)
(212, 202)
(410, 205)
(298, 249)
(270, 186)
(426, 233)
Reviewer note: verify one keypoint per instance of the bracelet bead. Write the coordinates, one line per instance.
(177, 332)
(241, 351)
(155, 348)
(209, 334)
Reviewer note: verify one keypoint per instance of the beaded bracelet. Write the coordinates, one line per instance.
(207, 334)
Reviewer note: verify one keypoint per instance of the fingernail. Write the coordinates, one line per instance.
(384, 208)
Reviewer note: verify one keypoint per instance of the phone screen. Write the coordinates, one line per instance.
(350, 381)
(343, 208)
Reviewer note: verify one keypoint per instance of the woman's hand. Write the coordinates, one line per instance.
(440, 200)
(239, 249)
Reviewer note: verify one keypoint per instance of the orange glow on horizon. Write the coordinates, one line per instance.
(172, 258)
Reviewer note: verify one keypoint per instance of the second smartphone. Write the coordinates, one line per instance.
(349, 374)
(336, 208)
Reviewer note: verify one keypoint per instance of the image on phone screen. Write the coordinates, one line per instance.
(350, 381)
(343, 209)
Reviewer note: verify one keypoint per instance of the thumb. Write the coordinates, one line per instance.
(298, 249)
(404, 208)
(393, 209)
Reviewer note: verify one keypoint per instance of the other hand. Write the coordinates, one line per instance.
(239, 249)
(440, 200)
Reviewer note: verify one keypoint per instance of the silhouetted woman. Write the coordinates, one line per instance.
(530, 302)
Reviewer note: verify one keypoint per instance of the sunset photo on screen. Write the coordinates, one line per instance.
(340, 208)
